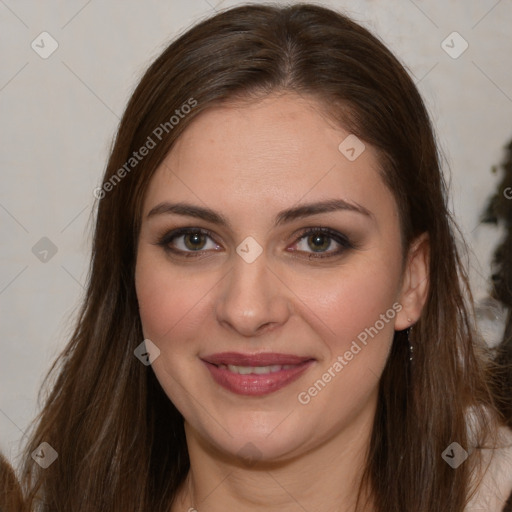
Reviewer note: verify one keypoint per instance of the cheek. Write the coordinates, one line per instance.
(351, 303)
(353, 317)
(168, 299)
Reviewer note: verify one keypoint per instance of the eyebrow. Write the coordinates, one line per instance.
(288, 215)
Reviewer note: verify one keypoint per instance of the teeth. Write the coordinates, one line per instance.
(258, 370)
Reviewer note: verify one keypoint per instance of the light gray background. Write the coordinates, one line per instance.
(58, 116)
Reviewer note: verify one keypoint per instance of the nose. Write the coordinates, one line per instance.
(252, 300)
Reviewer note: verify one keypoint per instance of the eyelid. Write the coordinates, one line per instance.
(339, 238)
(169, 236)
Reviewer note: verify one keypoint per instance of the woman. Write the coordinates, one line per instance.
(276, 316)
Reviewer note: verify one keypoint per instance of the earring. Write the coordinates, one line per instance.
(411, 348)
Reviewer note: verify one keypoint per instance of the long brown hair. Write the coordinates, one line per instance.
(11, 498)
(120, 441)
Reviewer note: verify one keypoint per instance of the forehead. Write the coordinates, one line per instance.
(282, 149)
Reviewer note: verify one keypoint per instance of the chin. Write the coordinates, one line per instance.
(258, 436)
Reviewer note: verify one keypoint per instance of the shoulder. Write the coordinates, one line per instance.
(495, 488)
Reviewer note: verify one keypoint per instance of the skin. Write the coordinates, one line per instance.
(248, 162)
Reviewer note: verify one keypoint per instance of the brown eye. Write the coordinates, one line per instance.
(194, 241)
(322, 243)
(187, 241)
(319, 242)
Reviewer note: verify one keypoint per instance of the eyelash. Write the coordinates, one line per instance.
(337, 237)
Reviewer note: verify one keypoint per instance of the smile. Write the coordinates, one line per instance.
(255, 375)
(258, 370)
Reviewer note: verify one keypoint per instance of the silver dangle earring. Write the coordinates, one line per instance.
(411, 348)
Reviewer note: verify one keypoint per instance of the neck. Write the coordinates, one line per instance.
(326, 478)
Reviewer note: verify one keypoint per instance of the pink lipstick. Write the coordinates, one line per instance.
(255, 374)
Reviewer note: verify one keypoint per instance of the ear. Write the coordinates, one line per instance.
(415, 283)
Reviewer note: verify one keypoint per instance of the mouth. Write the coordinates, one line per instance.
(255, 374)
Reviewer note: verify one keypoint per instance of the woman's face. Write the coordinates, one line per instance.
(269, 275)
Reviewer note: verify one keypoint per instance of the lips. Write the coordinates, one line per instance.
(262, 359)
(255, 374)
